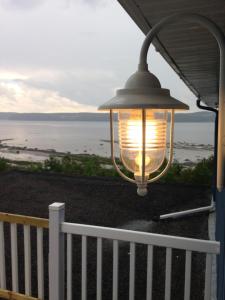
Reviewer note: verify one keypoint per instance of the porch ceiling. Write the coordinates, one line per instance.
(189, 49)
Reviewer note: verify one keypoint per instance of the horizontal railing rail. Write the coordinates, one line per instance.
(204, 246)
(27, 222)
(5, 294)
(24, 220)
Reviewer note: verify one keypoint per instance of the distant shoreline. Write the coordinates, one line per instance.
(176, 145)
(23, 153)
(197, 117)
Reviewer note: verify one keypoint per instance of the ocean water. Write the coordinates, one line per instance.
(91, 138)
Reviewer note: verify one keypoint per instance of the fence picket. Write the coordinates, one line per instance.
(168, 273)
(208, 276)
(132, 272)
(187, 284)
(99, 268)
(69, 266)
(2, 257)
(149, 272)
(84, 268)
(40, 263)
(27, 259)
(14, 257)
(115, 269)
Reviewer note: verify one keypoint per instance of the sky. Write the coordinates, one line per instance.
(71, 55)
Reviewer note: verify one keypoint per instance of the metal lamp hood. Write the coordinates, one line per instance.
(143, 91)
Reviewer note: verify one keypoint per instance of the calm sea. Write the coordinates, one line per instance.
(91, 137)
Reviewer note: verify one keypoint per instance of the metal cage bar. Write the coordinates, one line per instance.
(112, 151)
(143, 144)
(170, 153)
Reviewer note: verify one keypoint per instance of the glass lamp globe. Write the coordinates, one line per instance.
(131, 140)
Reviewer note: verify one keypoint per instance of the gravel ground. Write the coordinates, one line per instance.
(112, 203)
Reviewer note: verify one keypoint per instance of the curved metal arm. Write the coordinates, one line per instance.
(190, 17)
(219, 37)
(171, 151)
(112, 151)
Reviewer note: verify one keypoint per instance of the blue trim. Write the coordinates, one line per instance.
(220, 236)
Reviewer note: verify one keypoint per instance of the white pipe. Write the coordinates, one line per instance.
(187, 212)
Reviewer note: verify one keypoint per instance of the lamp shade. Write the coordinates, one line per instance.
(143, 91)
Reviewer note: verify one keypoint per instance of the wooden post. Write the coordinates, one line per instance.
(56, 251)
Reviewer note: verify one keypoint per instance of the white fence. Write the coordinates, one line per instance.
(58, 229)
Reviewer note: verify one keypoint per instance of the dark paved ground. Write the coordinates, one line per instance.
(113, 203)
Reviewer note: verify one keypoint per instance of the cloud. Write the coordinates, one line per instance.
(20, 4)
(79, 50)
(87, 86)
(17, 97)
(92, 3)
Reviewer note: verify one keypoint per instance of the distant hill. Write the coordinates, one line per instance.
(202, 116)
(88, 117)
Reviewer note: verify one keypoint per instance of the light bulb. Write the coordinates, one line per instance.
(130, 140)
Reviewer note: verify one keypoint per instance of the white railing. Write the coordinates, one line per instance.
(58, 229)
(13, 290)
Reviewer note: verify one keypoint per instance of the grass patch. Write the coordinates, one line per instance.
(93, 165)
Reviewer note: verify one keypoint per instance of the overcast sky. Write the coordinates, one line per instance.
(71, 55)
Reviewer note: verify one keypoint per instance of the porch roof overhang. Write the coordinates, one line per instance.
(188, 48)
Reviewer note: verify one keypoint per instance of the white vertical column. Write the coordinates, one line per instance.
(84, 268)
(69, 266)
(14, 257)
(40, 263)
(168, 273)
(149, 272)
(115, 269)
(187, 283)
(56, 251)
(132, 272)
(208, 276)
(27, 259)
(99, 269)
